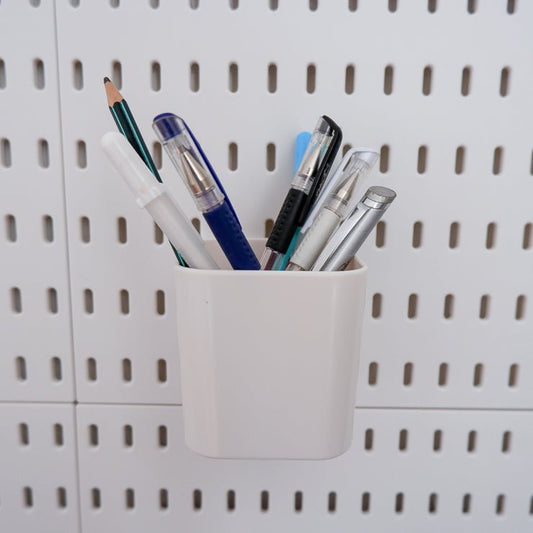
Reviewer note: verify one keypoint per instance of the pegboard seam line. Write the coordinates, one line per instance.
(69, 272)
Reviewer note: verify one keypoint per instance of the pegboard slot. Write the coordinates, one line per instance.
(271, 157)
(163, 499)
(298, 501)
(478, 375)
(454, 235)
(437, 440)
(48, 228)
(11, 228)
(20, 367)
(388, 80)
(465, 81)
(460, 155)
(59, 438)
(373, 374)
(91, 369)
(43, 153)
(422, 159)
(81, 154)
(399, 503)
(38, 74)
(57, 369)
(467, 501)
(61, 497)
(155, 78)
(513, 375)
(272, 78)
(349, 79)
(197, 499)
(380, 233)
(194, 77)
(96, 498)
(16, 300)
(130, 499)
(3, 77)
(500, 504)
(433, 501)
(505, 81)
(443, 374)
(93, 435)
(162, 375)
(127, 370)
(332, 502)
(5, 153)
(365, 502)
(28, 497)
(427, 78)
(116, 73)
(384, 159)
(233, 83)
(506, 442)
(24, 434)
(311, 79)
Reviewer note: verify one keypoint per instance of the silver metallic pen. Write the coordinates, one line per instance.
(346, 241)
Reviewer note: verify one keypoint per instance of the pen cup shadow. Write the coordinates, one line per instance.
(269, 359)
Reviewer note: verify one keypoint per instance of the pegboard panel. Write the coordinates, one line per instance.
(407, 470)
(38, 468)
(449, 119)
(442, 89)
(35, 328)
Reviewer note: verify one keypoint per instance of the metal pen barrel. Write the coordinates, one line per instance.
(347, 240)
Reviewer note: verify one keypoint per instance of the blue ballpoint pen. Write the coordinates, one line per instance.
(207, 192)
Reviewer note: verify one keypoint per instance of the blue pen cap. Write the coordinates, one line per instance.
(167, 125)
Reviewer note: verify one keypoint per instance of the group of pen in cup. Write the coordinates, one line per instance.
(322, 223)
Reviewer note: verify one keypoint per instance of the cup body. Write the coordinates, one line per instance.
(269, 360)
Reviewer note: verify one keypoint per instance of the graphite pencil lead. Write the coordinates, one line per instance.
(106, 79)
(112, 93)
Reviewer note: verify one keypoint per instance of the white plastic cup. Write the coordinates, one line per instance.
(269, 360)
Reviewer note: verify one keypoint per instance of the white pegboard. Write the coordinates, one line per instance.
(442, 88)
(38, 468)
(372, 38)
(384, 483)
(35, 327)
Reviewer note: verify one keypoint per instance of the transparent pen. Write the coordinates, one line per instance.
(205, 189)
(338, 204)
(301, 186)
(352, 233)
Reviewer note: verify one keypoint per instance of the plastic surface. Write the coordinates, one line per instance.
(228, 233)
(269, 361)
(315, 239)
(286, 221)
(156, 200)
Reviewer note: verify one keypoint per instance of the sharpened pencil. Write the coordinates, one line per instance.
(123, 117)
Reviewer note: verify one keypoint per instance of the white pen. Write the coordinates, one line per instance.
(351, 234)
(155, 199)
(338, 203)
(333, 180)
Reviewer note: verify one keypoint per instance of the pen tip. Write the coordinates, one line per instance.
(106, 79)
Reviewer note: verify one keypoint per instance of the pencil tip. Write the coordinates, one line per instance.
(106, 79)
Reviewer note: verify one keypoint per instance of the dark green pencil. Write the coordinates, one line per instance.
(126, 124)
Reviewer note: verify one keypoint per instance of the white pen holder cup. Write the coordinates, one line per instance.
(269, 360)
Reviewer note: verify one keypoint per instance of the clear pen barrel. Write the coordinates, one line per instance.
(317, 147)
(188, 161)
